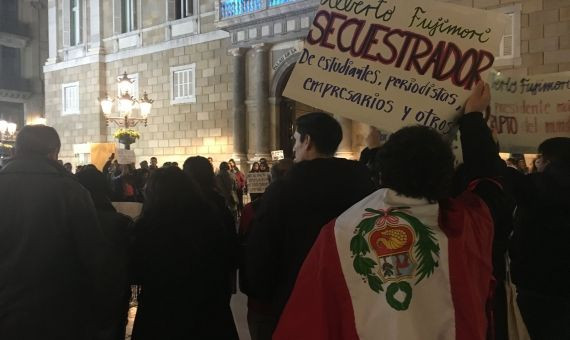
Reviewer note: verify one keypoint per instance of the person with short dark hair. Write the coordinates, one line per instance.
(153, 164)
(55, 264)
(408, 260)
(538, 250)
(181, 258)
(293, 210)
(68, 167)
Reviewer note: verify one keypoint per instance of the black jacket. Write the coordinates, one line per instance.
(182, 260)
(540, 258)
(291, 215)
(482, 163)
(54, 259)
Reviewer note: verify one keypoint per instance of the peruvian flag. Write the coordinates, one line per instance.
(394, 267)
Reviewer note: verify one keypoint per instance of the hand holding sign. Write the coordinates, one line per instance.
(479, 99)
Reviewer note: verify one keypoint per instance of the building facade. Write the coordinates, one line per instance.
(217, 69)
(23, 50)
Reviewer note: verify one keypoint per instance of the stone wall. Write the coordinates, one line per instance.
(174, 132)
(85, 127)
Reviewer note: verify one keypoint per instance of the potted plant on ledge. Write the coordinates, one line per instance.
(127, 137)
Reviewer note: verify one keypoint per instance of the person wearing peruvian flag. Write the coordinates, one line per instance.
(407, 262)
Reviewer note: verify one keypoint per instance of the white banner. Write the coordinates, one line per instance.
(257, 182)
(530, 109)
(126, 156)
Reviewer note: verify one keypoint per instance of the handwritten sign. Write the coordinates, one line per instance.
(393, 63)
(525, 111)
(257, 182)
(277, 155)
(125, 156)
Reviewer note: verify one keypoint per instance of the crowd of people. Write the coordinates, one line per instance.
(68, 258)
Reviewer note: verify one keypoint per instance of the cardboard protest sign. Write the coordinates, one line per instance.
(257, 182)
(125, 156)
(527, 110)
(393, 63)
(277, 155)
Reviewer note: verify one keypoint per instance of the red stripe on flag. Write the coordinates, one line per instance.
(320, 307)
(468, 225)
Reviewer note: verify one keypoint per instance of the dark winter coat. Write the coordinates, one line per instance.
(54, 260)
(182, 261)
(290, 217)
(540, 259)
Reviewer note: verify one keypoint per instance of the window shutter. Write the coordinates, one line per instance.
(507, 42)
(66, 18)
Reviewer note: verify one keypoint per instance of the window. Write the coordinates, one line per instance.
(11, 62)
(183, 84)
(184, 8)
(75, 23)
(129, 15)
(70, 98)
(509, 50)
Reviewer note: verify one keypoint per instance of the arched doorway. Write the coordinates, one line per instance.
(288, 111)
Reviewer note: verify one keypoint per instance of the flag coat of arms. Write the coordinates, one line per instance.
(398, 268)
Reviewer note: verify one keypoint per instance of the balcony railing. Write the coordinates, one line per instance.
(234, 8)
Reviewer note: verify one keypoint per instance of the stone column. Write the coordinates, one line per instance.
(345, 146)
(261, 78)
(52, 32)
(274, 123)
(238, 108)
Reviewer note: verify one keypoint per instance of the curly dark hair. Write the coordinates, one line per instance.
(416, 162)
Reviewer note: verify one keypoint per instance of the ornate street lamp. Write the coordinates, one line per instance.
(125, 104)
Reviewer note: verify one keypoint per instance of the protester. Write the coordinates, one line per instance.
(407, 261)
(240, 181)
(512, 163)
(368, 154)
(200, 171)
(56, 272)
(522, 167)
(115, 227)
(255, 167)
(259, 314)
(144, 165)
(181, 257)
(540, 261)
(227, 186)
(124, 184)
(293, 210)
(68, 167)
(153, 164)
